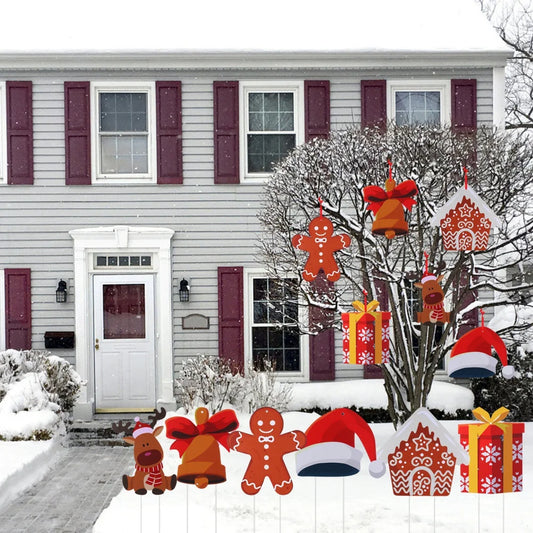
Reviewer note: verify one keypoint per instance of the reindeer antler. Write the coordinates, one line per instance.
(158, 415)
(120, 427)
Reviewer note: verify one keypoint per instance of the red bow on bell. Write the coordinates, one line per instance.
(376, 195)
(183, 430)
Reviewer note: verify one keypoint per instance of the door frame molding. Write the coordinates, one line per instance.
(122, 239)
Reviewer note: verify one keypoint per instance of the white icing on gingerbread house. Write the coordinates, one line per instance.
(465, 221)
(422, 457)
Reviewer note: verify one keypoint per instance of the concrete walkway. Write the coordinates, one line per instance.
(72, 495)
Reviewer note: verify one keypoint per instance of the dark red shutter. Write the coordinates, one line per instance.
(374, 103)
(226, 124)
(464, 105)
(322, 345)
(77, 133)
(19, 102)
(169, 132)
(18, 308)
(231, 315)
(317, 113)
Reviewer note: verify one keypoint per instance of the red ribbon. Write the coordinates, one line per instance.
(376, 195)
(183, 431)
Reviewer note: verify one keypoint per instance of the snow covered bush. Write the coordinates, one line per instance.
(209, 380)
(263, 389)
(516, 393)
(36, 391)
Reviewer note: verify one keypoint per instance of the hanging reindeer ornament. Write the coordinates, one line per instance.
(432, 298)
(389, 205)
(320, 244)
(148, 455)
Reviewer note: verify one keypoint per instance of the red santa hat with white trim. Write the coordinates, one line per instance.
(330, 446)
(140, 428)
(471, 357)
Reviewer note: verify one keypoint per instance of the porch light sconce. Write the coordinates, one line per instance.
(61, 292)
(184, 291)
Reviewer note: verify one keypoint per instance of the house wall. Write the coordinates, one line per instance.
(215, 225)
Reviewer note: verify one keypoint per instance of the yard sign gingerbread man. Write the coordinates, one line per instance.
(321, 244)
(266, 447)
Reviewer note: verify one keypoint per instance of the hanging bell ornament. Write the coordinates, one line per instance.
(388, 205)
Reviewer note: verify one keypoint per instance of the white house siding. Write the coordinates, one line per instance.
(215, 225)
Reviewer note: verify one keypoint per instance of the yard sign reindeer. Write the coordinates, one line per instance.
(148, 455)
(432, 298)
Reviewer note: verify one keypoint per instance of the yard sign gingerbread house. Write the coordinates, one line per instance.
(422, 457)
(465, 221)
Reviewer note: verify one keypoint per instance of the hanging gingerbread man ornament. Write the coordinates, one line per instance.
(266, 447)
(321, 243)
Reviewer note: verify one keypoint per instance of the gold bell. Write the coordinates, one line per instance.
(390, 218)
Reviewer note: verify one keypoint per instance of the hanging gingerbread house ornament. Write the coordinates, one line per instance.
(495, 448)
(321, 244)
(432, 298)
(422, 456)
(471, 356)
(365, 334)
(389, 204)
(465, 220)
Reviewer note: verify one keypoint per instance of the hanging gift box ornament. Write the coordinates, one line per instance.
(495, 450)
(365, 334)
(321, 244)
(432, 298)
(198, 445)
(471, 356)
(266, 447)
(148, 454)
(330, 447)
(422, 457)
(389, 205)
(465, 220)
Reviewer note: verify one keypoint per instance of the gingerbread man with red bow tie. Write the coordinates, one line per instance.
(266, 447)
(321, 244)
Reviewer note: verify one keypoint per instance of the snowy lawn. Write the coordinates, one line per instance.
(356, 503)
(22, 464)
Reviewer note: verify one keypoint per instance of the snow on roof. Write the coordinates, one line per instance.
(209, 26)
(461, 193)
(423, 416)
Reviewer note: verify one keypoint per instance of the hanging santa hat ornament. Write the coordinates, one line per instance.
(465, 220)
(388, 205)
(320, 245)
(432, 298)
(471, 357)
(330, 450)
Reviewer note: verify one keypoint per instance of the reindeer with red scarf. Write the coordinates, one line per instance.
(148, 455)
(432, 298)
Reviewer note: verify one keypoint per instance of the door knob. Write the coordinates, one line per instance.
(97, 344)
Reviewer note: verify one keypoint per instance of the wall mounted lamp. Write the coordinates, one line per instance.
(61, 292)
(184, 291)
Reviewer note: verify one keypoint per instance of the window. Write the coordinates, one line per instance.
(271, 125)
(124, 133)
(123, 261)
(272, 313)
(419, 102)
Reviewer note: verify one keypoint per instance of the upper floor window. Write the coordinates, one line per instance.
(419, 102)
(272, 122)
(124, 144)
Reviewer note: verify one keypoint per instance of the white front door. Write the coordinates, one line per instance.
(124, 356)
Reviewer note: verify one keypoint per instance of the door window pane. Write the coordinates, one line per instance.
(124, 311)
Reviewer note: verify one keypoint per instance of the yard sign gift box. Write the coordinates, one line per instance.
(365, 334)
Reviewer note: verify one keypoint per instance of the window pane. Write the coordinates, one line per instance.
(123, 112)
(260, 288)
(255, 101)
(275, 338)
(286, 122)
(124, 311)
(292, 360)
(260, 312)
(402, 101)
(256, 122)
(433, 101)
(287, 102)
(271, 102)
(108, 152)
(418, 101)
(272, 122)
(259, 338)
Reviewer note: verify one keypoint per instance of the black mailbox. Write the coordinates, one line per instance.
(59, 339)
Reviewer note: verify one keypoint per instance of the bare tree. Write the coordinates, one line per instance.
(337, 170)
(513, 20)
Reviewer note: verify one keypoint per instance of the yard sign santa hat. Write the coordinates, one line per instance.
(330, 446)
(471, 357)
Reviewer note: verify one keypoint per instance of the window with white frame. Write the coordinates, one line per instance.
(273, 333)
(413, 102)
(3, 134)
(124, 132)
(271, 119)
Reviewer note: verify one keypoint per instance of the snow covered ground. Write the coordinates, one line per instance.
(356, 503)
